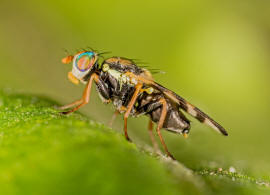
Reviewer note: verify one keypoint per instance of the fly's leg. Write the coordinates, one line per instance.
(113, 118)
(103, 90)
(86, 95)
(117, 112)
(129, 107)
(160, 125)
(70, 105)
(150, 130)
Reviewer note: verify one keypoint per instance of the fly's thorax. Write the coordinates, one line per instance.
(121, 77)
(120, 61)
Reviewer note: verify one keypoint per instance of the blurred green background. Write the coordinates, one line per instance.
(214, 53)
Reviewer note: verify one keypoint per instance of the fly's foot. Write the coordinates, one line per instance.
(128, 139)
(171, 156)
(66, 112)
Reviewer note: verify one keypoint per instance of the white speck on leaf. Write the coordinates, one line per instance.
(232, 170)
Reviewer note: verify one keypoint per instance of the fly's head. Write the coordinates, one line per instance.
(83, 63)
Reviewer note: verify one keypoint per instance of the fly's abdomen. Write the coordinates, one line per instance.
(175, 120)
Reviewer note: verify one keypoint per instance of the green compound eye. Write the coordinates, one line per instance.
(84, 61)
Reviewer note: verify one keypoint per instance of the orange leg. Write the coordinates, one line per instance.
(129, 107)
(113, 118)
(150, 130)
(85, 98)
(160, 125)
(71, 105)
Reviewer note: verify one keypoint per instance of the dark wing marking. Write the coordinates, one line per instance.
(192, 110)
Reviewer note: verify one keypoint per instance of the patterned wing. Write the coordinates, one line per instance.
(191, 109)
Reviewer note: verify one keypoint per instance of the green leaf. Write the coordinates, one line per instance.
(45, 152)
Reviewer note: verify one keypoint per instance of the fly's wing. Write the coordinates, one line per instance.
(190, 109)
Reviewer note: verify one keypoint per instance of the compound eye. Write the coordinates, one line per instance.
(84, 61)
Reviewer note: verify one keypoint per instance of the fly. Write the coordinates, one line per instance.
(133, 92)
